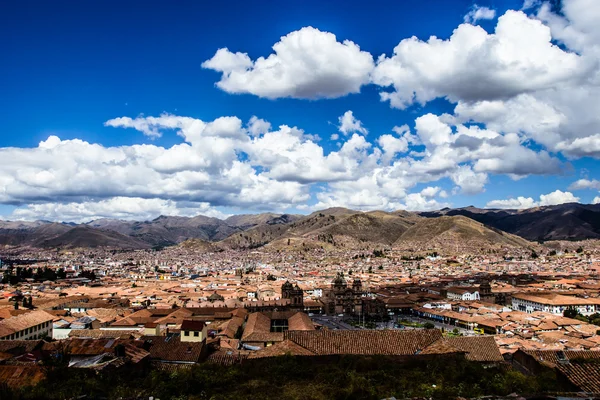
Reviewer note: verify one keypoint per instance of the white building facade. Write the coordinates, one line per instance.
(554, 304)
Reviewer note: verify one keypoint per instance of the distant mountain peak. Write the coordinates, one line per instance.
(330, 227)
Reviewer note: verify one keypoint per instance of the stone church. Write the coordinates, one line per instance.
(294, 293)
(344, 299)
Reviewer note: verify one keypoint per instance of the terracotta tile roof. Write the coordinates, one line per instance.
(263, 337)
(258, 326)
(477, 348)
(209, 311)
(106, 315)
(441, 347)
(230, 328)
(365, 342)
(585, 376)
(300, 322)
(280, 349)
(103, 334)
(23, 321)
(555, 299)
(18, 347)
(226, 357)
(240, 312)
(176, 317)
(461, 290)
(132, 322)
(551, 357)
(190, 325)
(140, 317)
(231, 344)
(568, 342)
(172, 349)
(7, 312)
(258, 323)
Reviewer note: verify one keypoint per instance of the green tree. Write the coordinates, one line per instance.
(534, 255)
(88, 274)
(570, 312)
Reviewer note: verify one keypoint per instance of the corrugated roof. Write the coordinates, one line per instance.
(18, 376)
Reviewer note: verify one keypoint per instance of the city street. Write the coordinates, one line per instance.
(336, 323)
(438, 325)
(332, 322)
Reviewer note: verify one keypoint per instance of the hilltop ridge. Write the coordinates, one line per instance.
(335, 227)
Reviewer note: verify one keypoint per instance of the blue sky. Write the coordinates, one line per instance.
(69, 67)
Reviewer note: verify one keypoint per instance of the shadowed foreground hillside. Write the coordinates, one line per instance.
(348, 377)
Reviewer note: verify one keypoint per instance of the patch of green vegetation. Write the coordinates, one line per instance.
(572, 312)
(453, 333)
(346, 377)
(411, 324)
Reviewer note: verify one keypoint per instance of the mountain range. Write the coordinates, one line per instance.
(330, 228)
(570, 221)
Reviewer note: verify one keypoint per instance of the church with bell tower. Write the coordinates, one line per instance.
(342, 298)
(294, 293)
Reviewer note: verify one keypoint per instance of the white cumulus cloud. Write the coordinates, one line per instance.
(550, 199)
(125, 208)
(349, 124)
(585, 184)
(306, 64)
(478, 13)
(473, 65)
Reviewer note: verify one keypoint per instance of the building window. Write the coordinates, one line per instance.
(196, 334)
(186, 333)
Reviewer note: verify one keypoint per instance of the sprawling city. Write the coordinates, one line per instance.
(300, 200)
(499, 301)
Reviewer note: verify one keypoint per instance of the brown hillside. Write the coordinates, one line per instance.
(199, 245)
(456, 232)
(86, 237)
